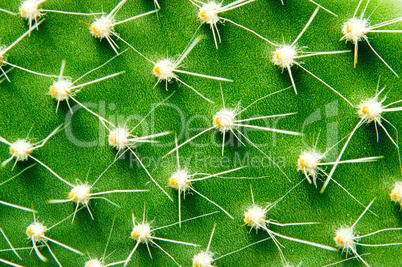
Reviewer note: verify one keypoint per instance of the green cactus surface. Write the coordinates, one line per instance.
(81, 151)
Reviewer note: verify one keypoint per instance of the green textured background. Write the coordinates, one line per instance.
(24, 104)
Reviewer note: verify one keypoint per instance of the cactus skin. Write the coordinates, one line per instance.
(241, 57)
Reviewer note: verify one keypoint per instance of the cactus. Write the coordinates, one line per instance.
(81, 150)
